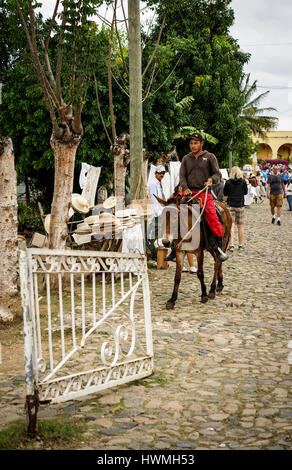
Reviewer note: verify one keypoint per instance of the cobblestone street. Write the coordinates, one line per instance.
(222, 375)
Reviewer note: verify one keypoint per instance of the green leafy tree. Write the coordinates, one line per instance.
(210, 64)
(63, 84)
(252, 114)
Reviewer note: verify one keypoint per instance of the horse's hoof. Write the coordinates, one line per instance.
(204, 299)
(219, 289)
(211, 295)
(170, 305)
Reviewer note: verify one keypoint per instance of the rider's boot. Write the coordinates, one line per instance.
(172, 254)
(220, 255)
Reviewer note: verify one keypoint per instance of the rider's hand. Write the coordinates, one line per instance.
(209, 182)
(187, 192)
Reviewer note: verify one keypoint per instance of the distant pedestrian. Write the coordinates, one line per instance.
(275, 193)
(289, 193)
(155, 189)
(235, 189)
(217, 189)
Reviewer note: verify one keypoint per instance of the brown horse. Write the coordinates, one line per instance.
(175, 204)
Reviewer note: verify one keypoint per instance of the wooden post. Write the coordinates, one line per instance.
(136, 123)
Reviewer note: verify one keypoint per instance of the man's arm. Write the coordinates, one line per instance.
(214, 167)
(268, 190)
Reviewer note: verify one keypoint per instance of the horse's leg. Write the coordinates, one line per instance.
(220, 279)
(212, 292)
(200, 274)
(180, 256)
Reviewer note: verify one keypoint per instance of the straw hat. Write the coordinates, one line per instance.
(83, 228)
(79, 203)
(106, 217)
(92, 219)
(47, 222)
(126, 213)
(109, 202)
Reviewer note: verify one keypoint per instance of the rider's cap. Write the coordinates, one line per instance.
(196, 136)
(160, 169)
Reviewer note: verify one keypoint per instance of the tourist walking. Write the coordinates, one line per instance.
(289, 193)
(235, 189)
(275, 193)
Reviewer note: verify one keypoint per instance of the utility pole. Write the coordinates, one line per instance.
(136, 120)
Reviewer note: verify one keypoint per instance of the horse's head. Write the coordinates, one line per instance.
(177, 219)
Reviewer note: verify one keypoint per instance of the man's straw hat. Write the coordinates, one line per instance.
(110, 202)
(79, 203)
(83, 228)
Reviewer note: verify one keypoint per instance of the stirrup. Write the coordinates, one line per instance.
(171, 256)
(220, 255)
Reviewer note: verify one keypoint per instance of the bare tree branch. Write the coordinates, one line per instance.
(38, 66)
(155, 48)
(125, 20)
(121, 50)
(76, 124)
(163, 83)
(52, 24)
(100, 112)
(120, 86)
(148, 87)
(48, 64)
(60, 58)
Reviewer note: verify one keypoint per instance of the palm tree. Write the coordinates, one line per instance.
(251, 113)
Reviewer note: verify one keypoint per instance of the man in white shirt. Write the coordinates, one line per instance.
(155, 189)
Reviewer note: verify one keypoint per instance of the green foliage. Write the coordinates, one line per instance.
(29, 217)
(252, 115)
(211, 67)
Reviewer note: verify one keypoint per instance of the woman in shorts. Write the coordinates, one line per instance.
(235, 189)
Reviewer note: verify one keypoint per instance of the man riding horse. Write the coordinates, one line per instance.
(200, 169)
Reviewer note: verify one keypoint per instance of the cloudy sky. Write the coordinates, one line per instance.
(263, 28)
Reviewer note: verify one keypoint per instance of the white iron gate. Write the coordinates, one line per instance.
(87, 321)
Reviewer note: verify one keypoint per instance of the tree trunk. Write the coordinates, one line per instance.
(8, 232)
(64, 153)
(120, 181)
(121, 160)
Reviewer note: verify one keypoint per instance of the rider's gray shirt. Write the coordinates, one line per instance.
(194, 172)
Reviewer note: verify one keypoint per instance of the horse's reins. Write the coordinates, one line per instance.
(192, 210)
